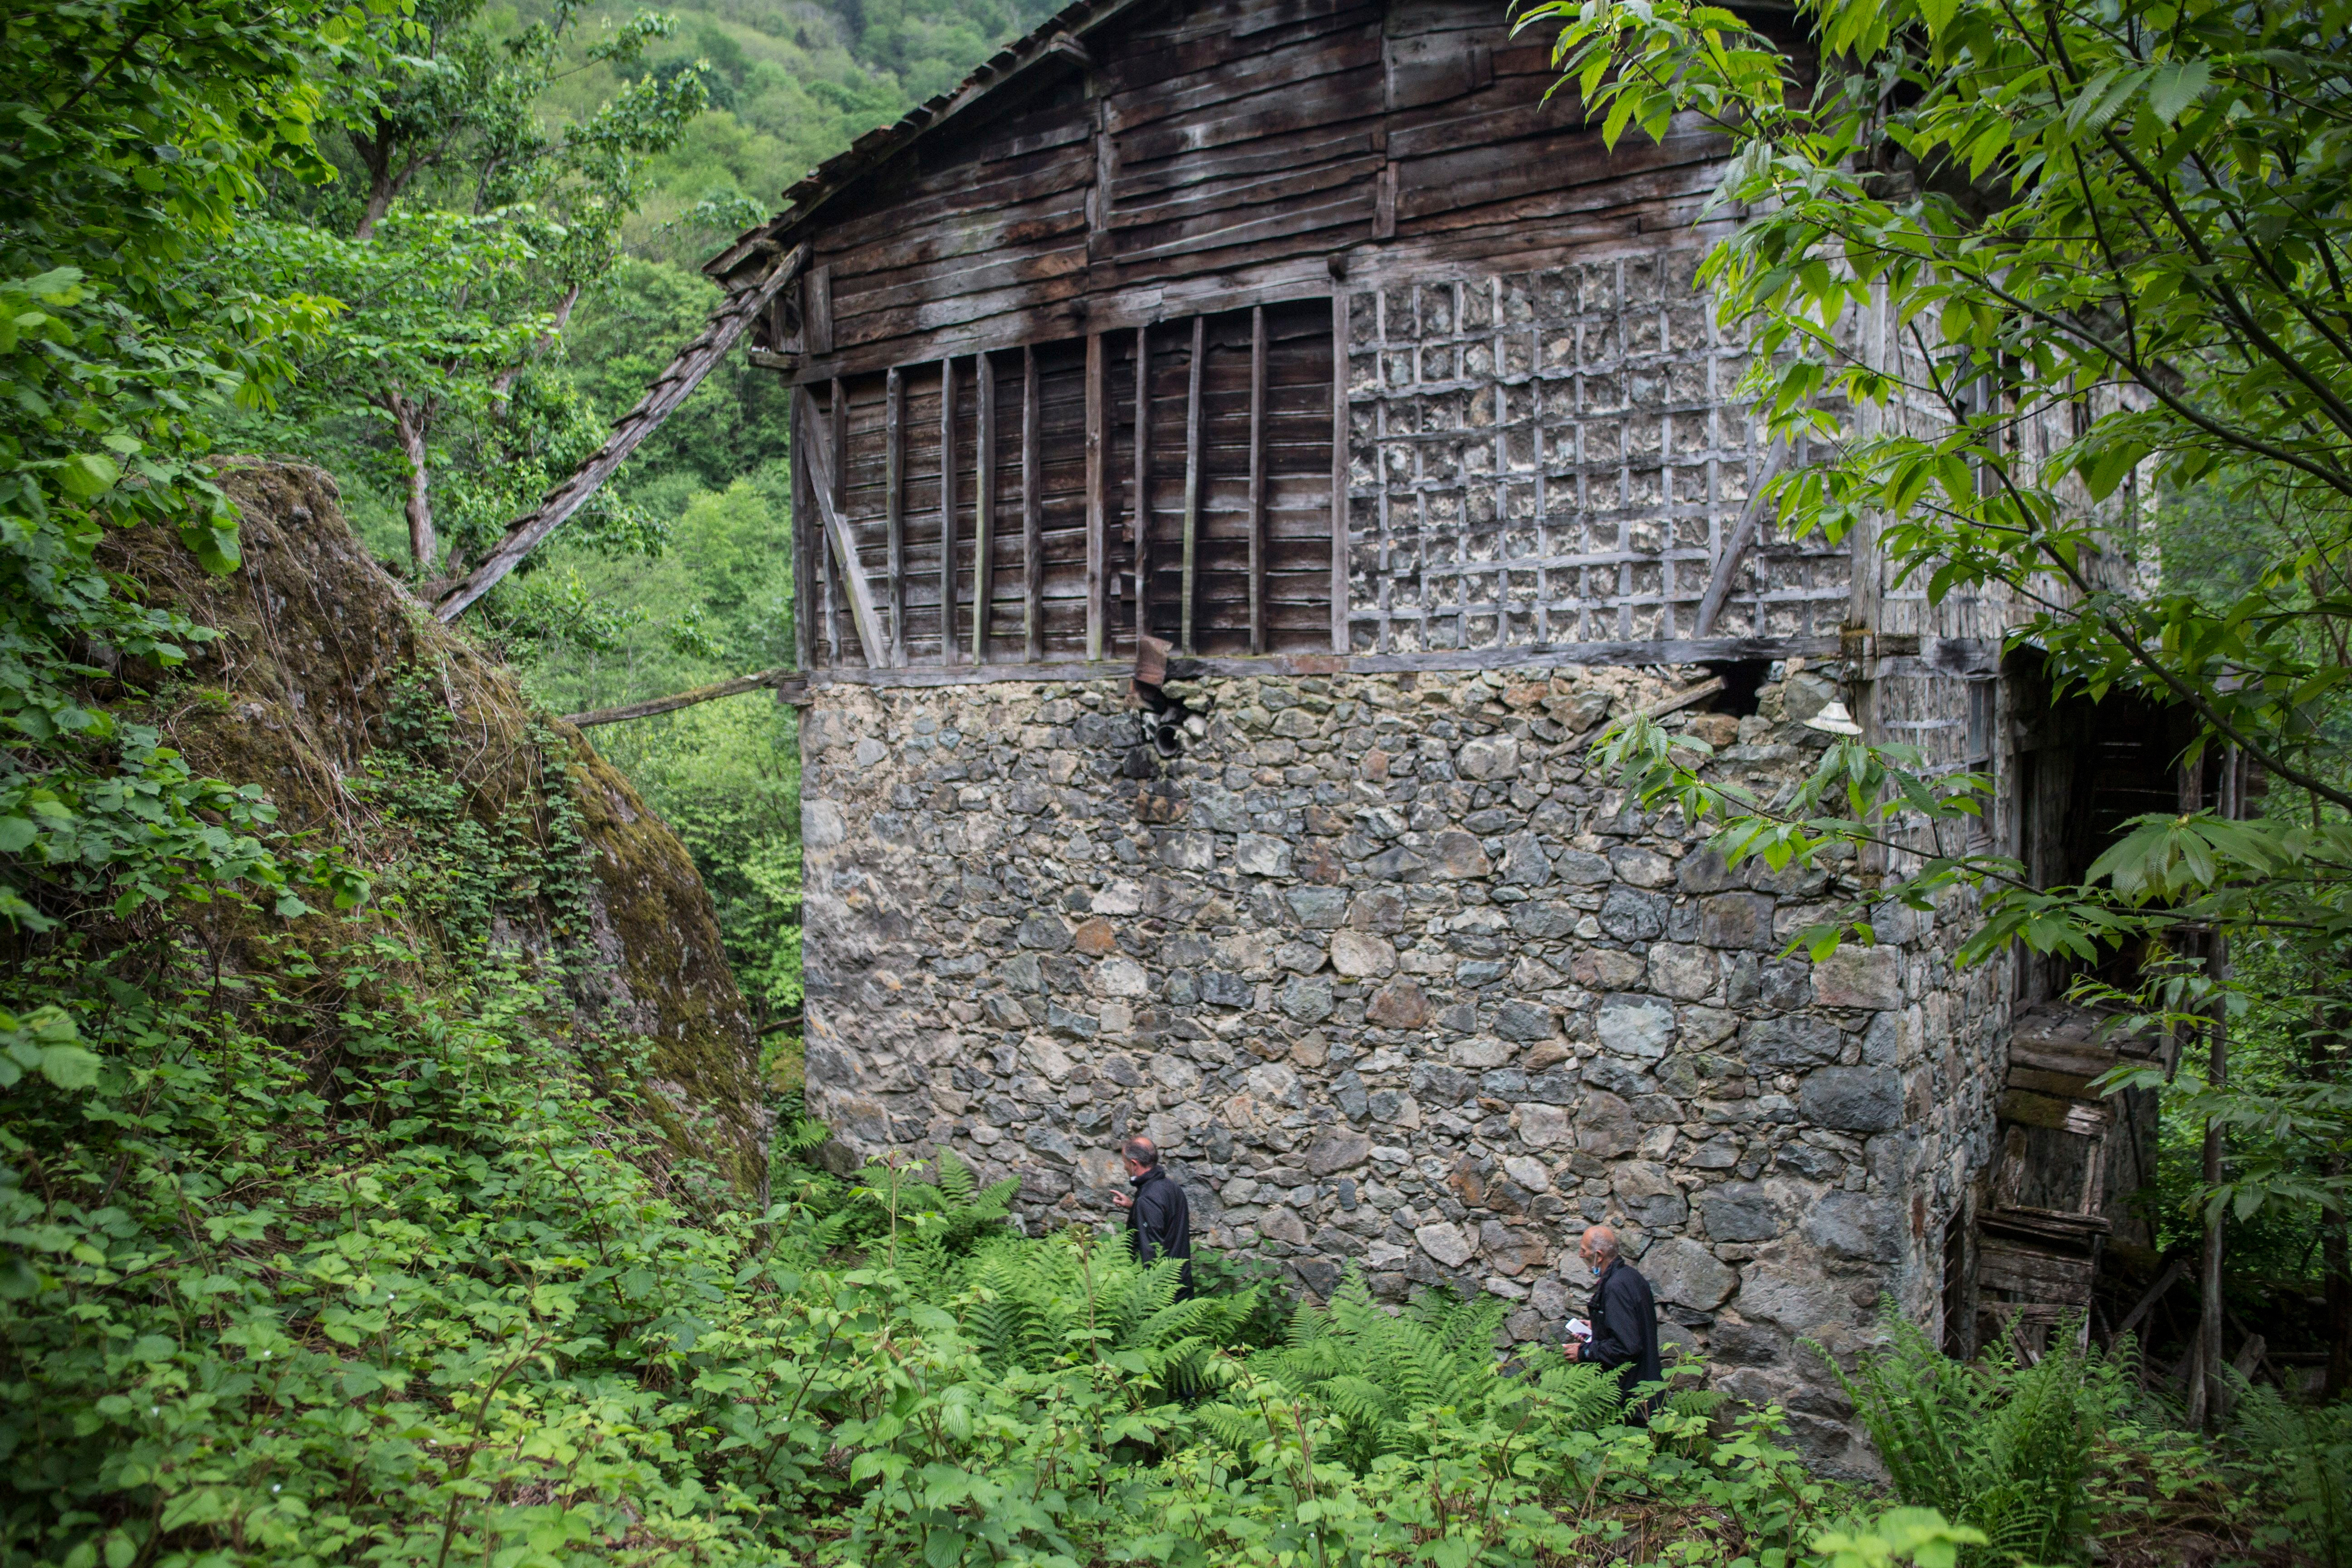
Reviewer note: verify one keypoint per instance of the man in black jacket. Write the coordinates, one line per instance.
(1159, 1220)
(1624, 1317)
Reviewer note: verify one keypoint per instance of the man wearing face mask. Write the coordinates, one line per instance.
(1624, 1316)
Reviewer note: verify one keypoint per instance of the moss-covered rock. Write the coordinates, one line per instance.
(315, 682)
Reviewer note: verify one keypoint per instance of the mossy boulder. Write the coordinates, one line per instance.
(322, 662)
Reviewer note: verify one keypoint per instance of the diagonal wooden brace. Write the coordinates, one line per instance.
(815, 433)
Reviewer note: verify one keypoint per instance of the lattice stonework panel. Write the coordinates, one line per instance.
(1558, 456)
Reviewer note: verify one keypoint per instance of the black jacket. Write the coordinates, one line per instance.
(1160, 1225)
(1625, 1327)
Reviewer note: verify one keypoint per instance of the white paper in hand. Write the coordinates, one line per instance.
(1580, 1328)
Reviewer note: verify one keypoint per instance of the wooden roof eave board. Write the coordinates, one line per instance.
(1059, 38)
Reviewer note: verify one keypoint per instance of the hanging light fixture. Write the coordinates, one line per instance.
(1833, 719)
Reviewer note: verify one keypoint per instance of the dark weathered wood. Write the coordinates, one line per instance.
(817, 454)
(678, 699)
(816, 312)
(1339, 597)
(947, 512)
(1140, 521)
(984, 501)
(837, 424)
(677, 382)
(1532, 659)
(1097, 493)
(1257, 480)
(894, 460)
(1032, 544)
(805, 540)
(1726, 571)
(1191, 482)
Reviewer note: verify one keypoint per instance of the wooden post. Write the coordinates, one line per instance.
(1097, 498)
(1257, 480)
(1191, 482)
(947, 512)
(804, 530)
(1339, 470)
(1142, 539)
(835, 420)
(983, 504)
(894, 503)
(1032, 539)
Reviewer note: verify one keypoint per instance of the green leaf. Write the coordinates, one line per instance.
(86, 475)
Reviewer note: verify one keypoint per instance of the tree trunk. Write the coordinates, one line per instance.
(505, 378)
(376, 154)
(408, 420)
(2208, 1396)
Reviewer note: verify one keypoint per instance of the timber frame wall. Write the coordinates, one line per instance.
(1274, 328)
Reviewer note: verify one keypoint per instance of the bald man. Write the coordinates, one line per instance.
(1625, 1315)
(1159, 1220)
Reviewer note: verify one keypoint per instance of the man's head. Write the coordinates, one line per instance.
(1142, 1154)
(1599, 1248)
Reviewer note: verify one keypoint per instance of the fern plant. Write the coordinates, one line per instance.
(1076, 1298)
(2306, 1451)
(1997, 1444)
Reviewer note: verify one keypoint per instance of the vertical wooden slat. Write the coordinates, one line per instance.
(1097, 498)
(894, 506)
(1257, 480)
(947, 512)
(1192, 482)
(1033, 537)
(803, 529)
(983, 504)
(1339, 469)
(1142, 518)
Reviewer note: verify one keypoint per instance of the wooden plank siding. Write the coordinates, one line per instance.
(1236, 173)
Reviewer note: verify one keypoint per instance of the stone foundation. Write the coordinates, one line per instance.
(1397, 984)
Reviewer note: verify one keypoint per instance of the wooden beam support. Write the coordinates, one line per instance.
(1033, 537)
(947, 512)
(894, 503)
(1339, 468)
(1744, 533)
(818, 457)
(1142, 514)
(836, 418)
(1257, 480)
(1098, 494)
(1192, 483)
(806, 535)
(983, 504)
(678, 699)
(816, 312)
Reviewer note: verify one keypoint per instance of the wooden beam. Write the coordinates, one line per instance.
(1339, 468)
(1744, 533)
(1142, 514)
(1257, 480)
(1191, 482)
(678, 699)
(983, 504)
(738, 311)
(947, 512)
(894, 504)
(824, 476)
(804, 532)
(1555, 655)
(1097, 496)
(1033, 538)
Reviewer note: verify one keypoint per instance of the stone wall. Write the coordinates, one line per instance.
(1398, 984)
